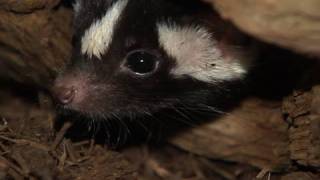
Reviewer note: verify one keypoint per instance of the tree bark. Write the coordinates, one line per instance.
(27, 5)
(33, 45)
(254, 133)
(292, 24)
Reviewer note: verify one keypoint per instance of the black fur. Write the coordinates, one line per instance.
(160, 97)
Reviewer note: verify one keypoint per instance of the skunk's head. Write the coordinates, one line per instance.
(136, 57)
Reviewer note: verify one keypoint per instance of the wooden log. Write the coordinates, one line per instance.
(254, 134)
(33, 45)
(292, 24)
(303, 113)
(27, 5)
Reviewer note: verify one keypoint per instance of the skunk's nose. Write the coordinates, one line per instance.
(64, 94)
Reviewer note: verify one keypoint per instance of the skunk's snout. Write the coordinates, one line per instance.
(70, 90)
(64, 94)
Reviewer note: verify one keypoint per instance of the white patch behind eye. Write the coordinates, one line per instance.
(196, 54)
(98, 37)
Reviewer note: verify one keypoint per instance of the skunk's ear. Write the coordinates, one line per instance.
(77, 6)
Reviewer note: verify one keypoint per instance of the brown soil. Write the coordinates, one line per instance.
(30, 148)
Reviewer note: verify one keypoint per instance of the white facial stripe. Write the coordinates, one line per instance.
(98, 37)
(196, 54)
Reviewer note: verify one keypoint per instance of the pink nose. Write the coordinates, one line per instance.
(64, 94)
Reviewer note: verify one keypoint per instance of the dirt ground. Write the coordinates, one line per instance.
(30, 148)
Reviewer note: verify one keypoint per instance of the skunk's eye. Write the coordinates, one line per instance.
(141, 62)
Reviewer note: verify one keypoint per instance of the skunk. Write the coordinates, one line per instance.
(133, 59)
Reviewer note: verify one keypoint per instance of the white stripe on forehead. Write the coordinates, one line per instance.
(196, 54)
(98, 37)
